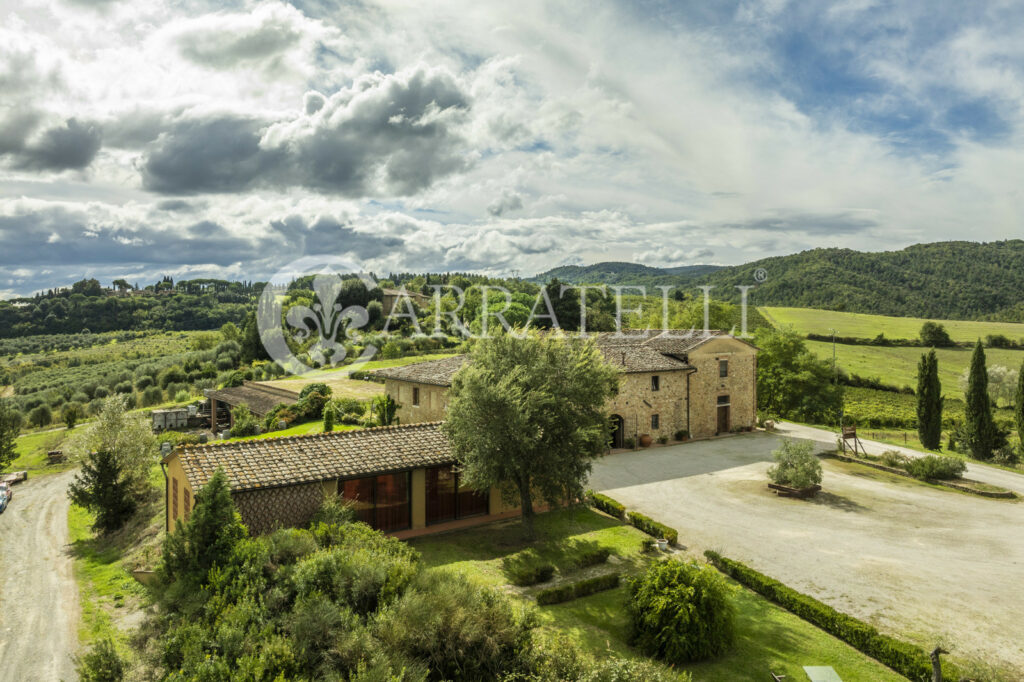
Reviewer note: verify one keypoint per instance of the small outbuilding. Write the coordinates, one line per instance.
(258, 397)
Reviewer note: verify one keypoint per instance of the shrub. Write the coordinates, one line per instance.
(526, 568)
(361, 578)
(101, 663)
(348, 406)
(629, 442)
(936, 467)
(606, 504)
(328, 420)
(152, 396)
(662, 439)
(123, 387)
(795, 465)
(682, 434)
(315, 388)
(182, 396)
(581, 588)
(172, 375)
(892, 458)
(244, 423)
(40, 416)
(462, 630)
(652, 527)
(680, 611)
(906, 659)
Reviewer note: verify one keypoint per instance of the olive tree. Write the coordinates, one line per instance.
(526, 414)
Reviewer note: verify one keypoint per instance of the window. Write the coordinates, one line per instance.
(447, 500)
(380, 501)
(723, 400)
(655, 420)
(415, 395)
(174, 497)
(723, 368)
(655, 383)
(188, 503)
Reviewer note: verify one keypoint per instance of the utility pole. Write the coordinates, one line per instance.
(835, 375)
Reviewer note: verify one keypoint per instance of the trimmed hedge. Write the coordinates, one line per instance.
(592, 557)
(652, 527)
(569, 591)
(606, 504)
(526, 568)
(906, 659)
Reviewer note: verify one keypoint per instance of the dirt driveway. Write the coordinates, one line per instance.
(918, 562)
(38, 594)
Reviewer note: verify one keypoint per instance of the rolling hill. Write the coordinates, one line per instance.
(942, 280)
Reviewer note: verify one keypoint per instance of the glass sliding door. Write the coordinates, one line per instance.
(440, 494)
(447, 500)
(380, 501)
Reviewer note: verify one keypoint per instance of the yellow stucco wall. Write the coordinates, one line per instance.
(174, 471)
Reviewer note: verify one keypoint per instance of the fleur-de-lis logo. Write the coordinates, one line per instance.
(325, 321)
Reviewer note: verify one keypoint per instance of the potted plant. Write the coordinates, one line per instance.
(662, 544)
(796, 472)
(682, 434)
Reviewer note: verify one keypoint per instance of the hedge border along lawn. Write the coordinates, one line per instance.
(580, 588)
(906, 659)
(606, 504)
(652, 527)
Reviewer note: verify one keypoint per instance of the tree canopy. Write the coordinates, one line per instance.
(527, 414)
(792, 382)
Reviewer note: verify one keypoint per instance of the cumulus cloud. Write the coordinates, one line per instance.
(227, 40)
(385, 135)
(508, 201)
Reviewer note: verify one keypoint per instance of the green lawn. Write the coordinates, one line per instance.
(372, 365)
(813, 321)
(898, 366)
(769, 639)
(299, 430)
(32, 449)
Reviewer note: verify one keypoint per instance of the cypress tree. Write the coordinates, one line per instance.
(981, 434)
(929, 401)
(1018, 405)
(102, 488)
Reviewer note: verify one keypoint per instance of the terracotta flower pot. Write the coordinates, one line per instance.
(645, 440)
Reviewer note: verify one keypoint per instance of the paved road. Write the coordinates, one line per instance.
(978, 472)
(38, 593)
(919, 562)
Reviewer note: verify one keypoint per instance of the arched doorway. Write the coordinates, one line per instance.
(618, 431)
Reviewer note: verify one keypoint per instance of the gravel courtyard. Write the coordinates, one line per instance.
(926, 564)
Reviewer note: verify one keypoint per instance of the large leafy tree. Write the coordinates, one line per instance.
(982, 436)
(103, 488)
(126, 436)
(792, 382)
(10, 427)
(935, 335)
(929, 401)
(527, 414)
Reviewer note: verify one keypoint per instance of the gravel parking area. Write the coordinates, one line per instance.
(926, 564)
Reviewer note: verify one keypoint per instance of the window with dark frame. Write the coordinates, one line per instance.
(723, 368)
(655, 383)
(415, 395)
(723, 400)
(174, 497)
(655, 421)
(188, 503)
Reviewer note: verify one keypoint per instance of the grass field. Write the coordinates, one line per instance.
(299, 430)
(898, 366)
(769, 639)
(32, 449)
(812, 321)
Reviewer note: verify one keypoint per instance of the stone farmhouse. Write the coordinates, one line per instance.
(701, 383)
(401, 480)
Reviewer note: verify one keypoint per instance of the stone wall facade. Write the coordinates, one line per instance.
(433, 400)
(637, 403)
(737, 390)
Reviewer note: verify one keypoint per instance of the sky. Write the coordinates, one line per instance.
(226, 139)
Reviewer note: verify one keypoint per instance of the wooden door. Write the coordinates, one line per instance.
(723, 418)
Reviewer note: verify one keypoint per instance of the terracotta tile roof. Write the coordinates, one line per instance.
(260, 398)
(274, 462)
(434, 372)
